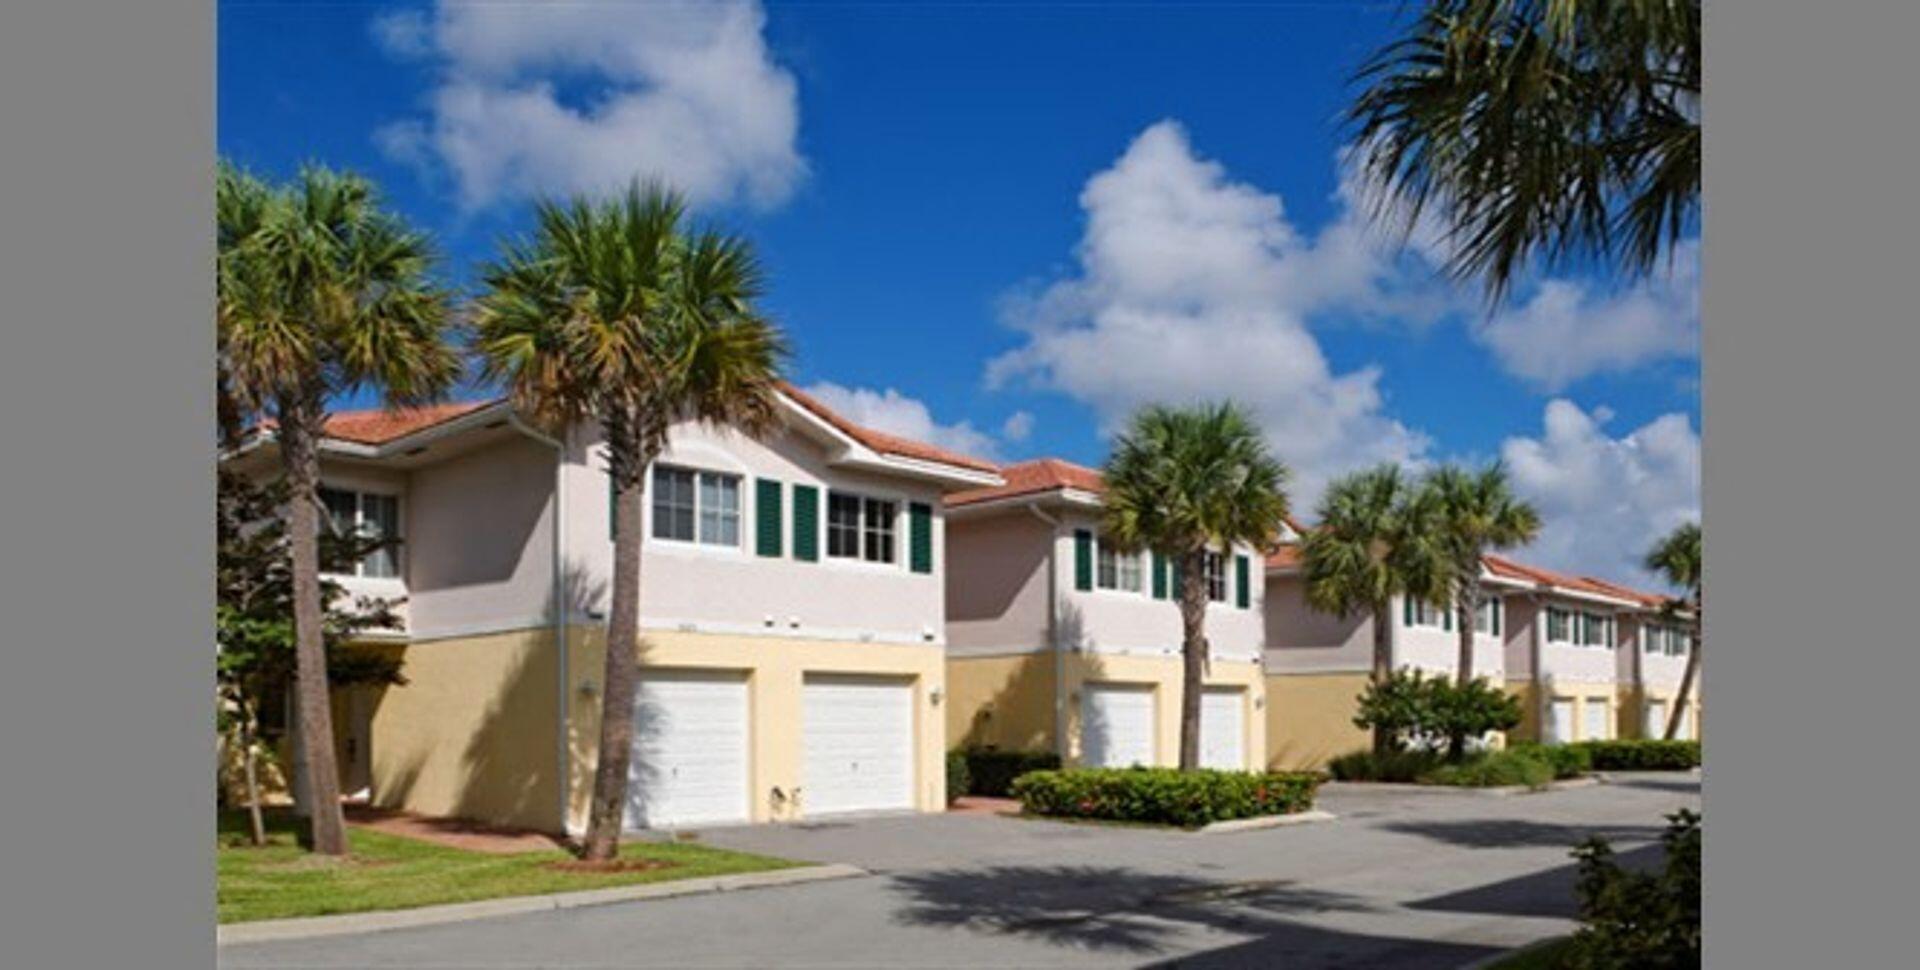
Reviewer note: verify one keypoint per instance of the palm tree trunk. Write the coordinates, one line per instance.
(1193, 650)
(250, 762)
(1382, 668)
(299, 433)
(1465, 605)
(607, 814)
(1685, 695)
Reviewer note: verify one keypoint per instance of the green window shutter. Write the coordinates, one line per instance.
(1496, 617)
(1406, 611)
(766, 522)
(1082, 559)
(1446, 618)
(1242, 571)
(920, 537)
(806, 523)
(1159, 577)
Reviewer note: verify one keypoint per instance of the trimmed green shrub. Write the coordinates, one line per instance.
(1566, 760)
(1394, 766)
(1492, 769)
(1637, 919)
(1416, 709)
(1164, 796)
(992, 771)
(959, 780)
(1642, 755)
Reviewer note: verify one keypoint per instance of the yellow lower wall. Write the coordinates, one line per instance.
(774, 668)
(1534, 699)
(472, 732)
(1633, 711)
(1164, 675)
(1001, 702)
(1310, 719)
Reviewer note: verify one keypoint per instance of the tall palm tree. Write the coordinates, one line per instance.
(1678, 558)
(1562, 128)
(1376, 539)
(1184, 482)
(1477, 512)
(619, 313)
(321, 292)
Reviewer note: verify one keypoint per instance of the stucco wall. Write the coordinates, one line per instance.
(1005, 702)
(1437, 650)
(1165, 676)
(996, 583)
(1300, 638)
(1310, 718)
(1106, 621)
(480, 540)
(775, 668)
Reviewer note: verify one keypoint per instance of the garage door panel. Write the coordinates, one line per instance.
(1117, 726)
(858, 743)
(689, 762)
(1223, 729)
(1596, 722)
(1560, 720)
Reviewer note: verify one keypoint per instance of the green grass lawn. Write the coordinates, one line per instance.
(1547, 956)
(393, 872)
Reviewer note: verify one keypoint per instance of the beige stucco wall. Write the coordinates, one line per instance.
(1535, 698)
(472, 732)
(480, 540)
(996, 583)
(1633, 711)
(1310, 719)
(1003, 702)
(774, 668)
(1300, 638)
(1165, 677)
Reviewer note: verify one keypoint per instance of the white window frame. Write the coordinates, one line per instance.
(1213, 566)
(1429, 615)
(1104, 555)
(865, 530)
(1567, 634)
(360, 494)
(698, 541)
(1483, 616)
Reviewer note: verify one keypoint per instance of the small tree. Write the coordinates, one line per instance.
(1411, 709)
(1185, 482)
(1678, 558)
(253, 618)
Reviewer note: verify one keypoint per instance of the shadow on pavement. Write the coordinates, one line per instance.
(1548, 893)
(1517, 833)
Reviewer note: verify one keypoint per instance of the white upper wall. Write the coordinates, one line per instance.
(1125, 622)
(1301, 639)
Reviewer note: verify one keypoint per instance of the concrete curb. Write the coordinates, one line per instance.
(1266, 822)
(1501, 791)
(262, 931)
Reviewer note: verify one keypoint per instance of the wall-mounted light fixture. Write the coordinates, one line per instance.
(934, 695)
(588, 688)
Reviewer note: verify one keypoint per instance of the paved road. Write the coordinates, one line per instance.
(1403, 880)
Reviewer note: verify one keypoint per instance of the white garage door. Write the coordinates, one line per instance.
(689, 750)
(1656, 720)
(1560, 721)
(857, 735)
(1595, 725)
(1116, 726)
(1223, 729)
(1686, 725)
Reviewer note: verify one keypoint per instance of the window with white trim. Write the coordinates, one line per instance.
(860, 527)
(1216, 573)
(1428, 614)
(1117, 570)
(1559, 625)
(1484, 616)
(696, 506)
(372, 514)
(1594, 630)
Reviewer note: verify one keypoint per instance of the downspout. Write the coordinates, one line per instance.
(1053, 632)
(1540, 700)
(562, 755)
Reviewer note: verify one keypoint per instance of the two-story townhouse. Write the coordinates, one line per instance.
(1318, 664)
(791, 611)
(1651, 660)
(1058, 641)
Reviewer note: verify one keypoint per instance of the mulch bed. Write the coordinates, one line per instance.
(610, 865)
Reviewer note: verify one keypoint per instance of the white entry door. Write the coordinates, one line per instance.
(1116, 726)
(857, 736)
(1223, 728)
(1560, 721)
(689, 750)
(1595, 724)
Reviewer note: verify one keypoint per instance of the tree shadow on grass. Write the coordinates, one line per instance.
(1518, 833)
(1102, 908)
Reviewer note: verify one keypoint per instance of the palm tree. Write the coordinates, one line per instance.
(1678, 558)
(618, 313)
(1376, 539)
(1476, 512)
(1561, 128)
(321, 292)
(1184, 482)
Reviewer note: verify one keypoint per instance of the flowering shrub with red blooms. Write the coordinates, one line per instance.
(1165, 796)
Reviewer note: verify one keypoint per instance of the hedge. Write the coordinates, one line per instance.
(1566, 760)
(1642, 755)
(1165, 796)
(1494, 769)
(1523, 764)
(991, 771)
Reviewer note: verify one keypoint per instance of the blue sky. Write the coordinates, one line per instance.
(1003, 214)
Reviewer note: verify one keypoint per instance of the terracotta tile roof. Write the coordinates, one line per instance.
(882, 442)
(1502, 566)
(377, 426)
(1032, 478)
(1285, 557)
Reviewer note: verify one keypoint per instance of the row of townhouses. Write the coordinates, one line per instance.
(827, 610)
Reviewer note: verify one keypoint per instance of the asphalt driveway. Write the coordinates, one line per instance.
(1426, 879)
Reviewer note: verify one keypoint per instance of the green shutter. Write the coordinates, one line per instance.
(1159, 577)
(1082, 559)
(1406, 611)
(806, 523)
(1446, 618)
(1242, 571)
(1496, 617)
(920, 537)
(766, 522)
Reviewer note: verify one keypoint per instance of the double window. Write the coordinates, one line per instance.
(1559, 625)
(1579, 628)
(1423, 613)
(369, 514)
(860, 527)
(696, 506)
(1216, 574)
(1117, 570)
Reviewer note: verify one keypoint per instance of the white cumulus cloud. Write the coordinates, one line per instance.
(1193, 287)
(1604, 500)
(895, 413)
(1568, 330)
(677, 89)
(1018, 426)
